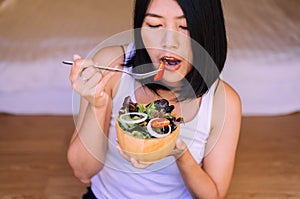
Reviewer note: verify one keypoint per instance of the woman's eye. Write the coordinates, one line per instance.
(154, 26)
(183, 27)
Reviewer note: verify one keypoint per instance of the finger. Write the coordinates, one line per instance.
(132, 160)
(179, 149)
(102, 84)
(88, 73)
(123, 154)
(79, 66)
(180, 144)
(83, 63)
(76, 57)
(137, 164)
(73, 69)
(93, 81)
(78, 85)
(105, 72)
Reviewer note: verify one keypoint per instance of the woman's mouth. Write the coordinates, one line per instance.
(171, 63)
(167, 63)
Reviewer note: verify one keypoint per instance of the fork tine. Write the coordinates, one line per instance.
(145, 75)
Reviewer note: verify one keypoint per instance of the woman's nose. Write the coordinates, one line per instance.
(170, 39)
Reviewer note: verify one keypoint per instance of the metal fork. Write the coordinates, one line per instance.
(134, 75)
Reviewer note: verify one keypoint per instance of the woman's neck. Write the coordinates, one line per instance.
(187, 109)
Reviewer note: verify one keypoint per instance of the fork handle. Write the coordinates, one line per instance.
(99, 67)
(68, 62)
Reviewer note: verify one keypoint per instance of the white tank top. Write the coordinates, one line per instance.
(120, 180)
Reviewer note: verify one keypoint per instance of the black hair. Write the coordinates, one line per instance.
(206, 25)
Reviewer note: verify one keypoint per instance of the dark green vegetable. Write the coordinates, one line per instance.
(157, 109)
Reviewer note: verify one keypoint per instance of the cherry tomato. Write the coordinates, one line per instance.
(160, 123)
(160, 74)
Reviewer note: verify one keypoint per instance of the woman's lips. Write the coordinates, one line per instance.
(171, 63)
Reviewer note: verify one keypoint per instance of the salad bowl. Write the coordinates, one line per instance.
(143, 142)
(146, 150)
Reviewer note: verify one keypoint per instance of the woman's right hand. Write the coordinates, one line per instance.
(179, 149)
(90, 82)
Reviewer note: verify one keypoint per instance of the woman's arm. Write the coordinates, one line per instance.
(87, 148)
(213, 179)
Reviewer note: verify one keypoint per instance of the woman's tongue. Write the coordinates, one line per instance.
(172, 64)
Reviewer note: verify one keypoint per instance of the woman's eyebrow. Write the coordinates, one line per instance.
(153, 15)
(159, 16)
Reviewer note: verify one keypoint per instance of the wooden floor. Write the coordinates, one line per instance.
(33, 158)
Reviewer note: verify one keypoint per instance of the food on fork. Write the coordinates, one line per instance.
(160, 74)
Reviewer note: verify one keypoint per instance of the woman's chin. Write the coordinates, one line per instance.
(172, 81)
(173, 76)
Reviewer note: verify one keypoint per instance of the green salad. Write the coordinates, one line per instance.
(153, 120)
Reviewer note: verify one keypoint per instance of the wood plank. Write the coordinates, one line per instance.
(268, 159)
(33, 158)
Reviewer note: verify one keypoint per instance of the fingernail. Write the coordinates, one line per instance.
(133, 160)
(76, 57)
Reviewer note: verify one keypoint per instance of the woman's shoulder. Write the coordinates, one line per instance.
(110, 55)
(231, 95)
(226, 115)
(227, 103)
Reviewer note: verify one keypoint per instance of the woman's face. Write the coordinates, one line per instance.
(166, 37)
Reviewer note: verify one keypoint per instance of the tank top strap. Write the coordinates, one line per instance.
(217, 109)
(129, 53)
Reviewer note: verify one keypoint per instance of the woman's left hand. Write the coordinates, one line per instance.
(179, 149)
(135, 163)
